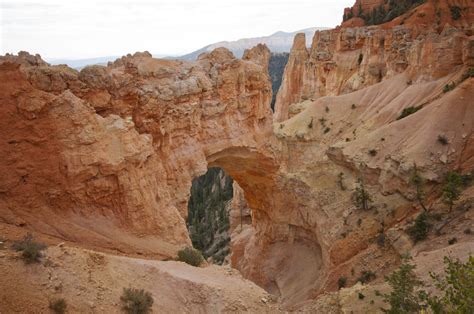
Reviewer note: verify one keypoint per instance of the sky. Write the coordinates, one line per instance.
(75, 29)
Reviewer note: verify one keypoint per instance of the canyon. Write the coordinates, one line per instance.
(102, 161)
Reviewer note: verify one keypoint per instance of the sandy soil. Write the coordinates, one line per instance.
(92, 282)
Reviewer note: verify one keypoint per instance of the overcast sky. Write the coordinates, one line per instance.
(97, 28)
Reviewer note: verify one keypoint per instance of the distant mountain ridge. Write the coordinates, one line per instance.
(78, 64)
(277, 42)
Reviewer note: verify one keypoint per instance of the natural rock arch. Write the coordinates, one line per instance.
(128, 138)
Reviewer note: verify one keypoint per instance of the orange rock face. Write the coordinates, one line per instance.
(336, 121)
(361, 6)
(344, 60)
(425, 13)
(106, 156)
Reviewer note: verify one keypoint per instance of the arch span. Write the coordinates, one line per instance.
(254, 172)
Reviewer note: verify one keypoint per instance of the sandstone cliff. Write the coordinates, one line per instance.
(344, 60)
(336, 119)
(105, 157)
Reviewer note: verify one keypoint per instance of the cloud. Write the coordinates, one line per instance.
(92, 28)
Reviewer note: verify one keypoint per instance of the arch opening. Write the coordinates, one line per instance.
(213, 214)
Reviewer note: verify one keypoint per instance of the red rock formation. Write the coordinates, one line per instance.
(106, 156)
(421, 15)
(340, 100)
(361, 6)
(239, 213)
(344, 60)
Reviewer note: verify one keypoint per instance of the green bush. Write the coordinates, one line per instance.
(419, 230)
(342, 282)
(58, 306)
(468, 74)
(136, 301)
(340, 181)
(190, 256)
(361, 197)
(451, 189)
(457, 289)
(455, 12)
(449, 87)
(381, 239)
(31, 250)
(366, 276)
(408, 111)
(348, 16)
(443, 140)
(466, 179)
(418, 182)
(452, 241)
(457, 286)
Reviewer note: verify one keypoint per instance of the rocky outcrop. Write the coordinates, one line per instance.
(337, 120)
(409, 12)
(106, 156)
(345, 60)
(240, 214)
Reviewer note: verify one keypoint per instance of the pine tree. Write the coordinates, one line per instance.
(361, 197)
(418, 181)
(452, 189)
(404, 297)
(457, 286)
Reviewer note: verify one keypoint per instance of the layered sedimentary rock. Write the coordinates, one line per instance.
(106, 156)
(337, 122)
(344, 60)
(240, 214)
